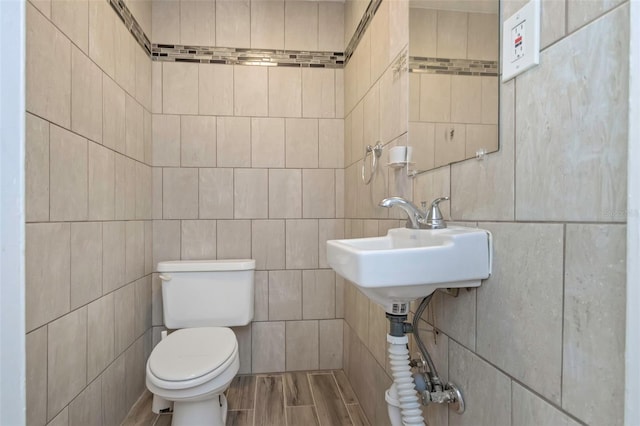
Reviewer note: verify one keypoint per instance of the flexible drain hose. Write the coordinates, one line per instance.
(403, 381)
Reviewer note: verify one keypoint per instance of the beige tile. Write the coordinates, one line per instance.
(377, 333)
(331, 26)
(101, 183)
(234, 239)
(267, 24)
(198, 239)
(553, 18)
(100, 336)
(483, 36)
(134, 247)
(179, 88)
(86, 262)
(143, 77)
(156, 302)
(363, 65)
(72, 17)
(285, 295)
(166, 21)
(381, 39)
(44, 6)
(481, 137)
(86, 409)
(328, 229)
(234, 142)
(261, 296)
(48, 70)
(48, 275)
(148, 247)
(250, 90)
(126, 58)
(423, 27)
(62, 419)
(267, 141)
(576, 166)
(285, 92)
(318, 93)
(250, 193)
(144, 185)
(198, 141)
(113, 120)
(490, 100)
(102, 26)
(233, 23)
(68, 175)
(302, 244)
(301, 143)
(179, 193)
(318, 193)
(594, 307)
(302, 345)
(66, 359)
(141, 10)
(339, 93)
(452, 34)
(476, 376)
(166, 140)
(125, 192)
(267, 246)
(268, 347)
(450, 142)
(124, 303)
(86, 96)
(215, 85)
(134, 364)
(134, 129)
(113, 256)
(422, 141)
(301, 25)
(435, 97)
(243, 335)
(216, 193)
(393, 104)
(530, 410)
(156, 184)
(468, 201)
(466, 99)
(580, 13)
(285, 193)
(521, 298)
(114, 407)
(156, 87)
(330, 338)
(414, 97)
(36, 169)
(318, 294)
(371, 118)
(197, 22)
(331, 143)
(339, 192)
(36, 377)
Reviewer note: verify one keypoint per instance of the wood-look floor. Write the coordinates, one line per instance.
(321, 398)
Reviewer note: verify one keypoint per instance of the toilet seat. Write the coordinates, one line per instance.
(192, 356)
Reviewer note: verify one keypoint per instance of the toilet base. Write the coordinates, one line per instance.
(210, 412)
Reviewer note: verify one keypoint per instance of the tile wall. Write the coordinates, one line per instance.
(530, 344)
(88, 210)
(248, 163)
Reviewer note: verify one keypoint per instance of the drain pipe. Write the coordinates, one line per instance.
(402, 399)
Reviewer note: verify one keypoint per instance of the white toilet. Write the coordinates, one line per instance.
(195, 364)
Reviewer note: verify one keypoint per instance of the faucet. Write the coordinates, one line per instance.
(418, 219)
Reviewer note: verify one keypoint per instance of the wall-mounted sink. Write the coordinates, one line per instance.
(409, 264)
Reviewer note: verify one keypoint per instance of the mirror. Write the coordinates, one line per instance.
(453, 80)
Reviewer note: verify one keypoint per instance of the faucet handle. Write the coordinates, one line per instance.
(434, 217)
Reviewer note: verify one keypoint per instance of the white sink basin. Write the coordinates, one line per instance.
(409, 264)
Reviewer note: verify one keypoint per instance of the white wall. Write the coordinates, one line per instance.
(12, 353)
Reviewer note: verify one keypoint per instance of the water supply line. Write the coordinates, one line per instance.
(408, 391)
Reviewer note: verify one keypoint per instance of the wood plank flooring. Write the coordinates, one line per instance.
(321, 398)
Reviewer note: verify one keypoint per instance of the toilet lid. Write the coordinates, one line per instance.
(190, 353)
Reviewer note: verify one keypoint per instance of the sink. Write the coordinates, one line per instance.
(409, 264)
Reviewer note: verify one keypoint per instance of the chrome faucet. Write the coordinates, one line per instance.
(418, 219)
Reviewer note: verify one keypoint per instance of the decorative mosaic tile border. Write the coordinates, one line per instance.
(238, 56)
(367, 17)
(473, 67)
(132, 25)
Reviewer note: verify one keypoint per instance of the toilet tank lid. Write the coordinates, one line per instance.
(206, 265)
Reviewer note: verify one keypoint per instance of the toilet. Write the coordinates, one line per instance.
(191, 367)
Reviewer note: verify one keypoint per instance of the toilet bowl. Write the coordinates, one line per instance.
(191, 367)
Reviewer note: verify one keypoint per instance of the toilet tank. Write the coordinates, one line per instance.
(207, 293)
